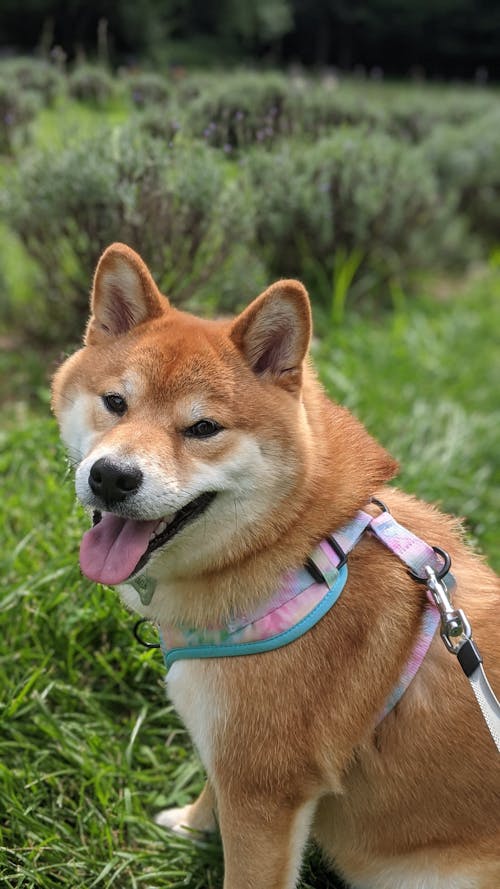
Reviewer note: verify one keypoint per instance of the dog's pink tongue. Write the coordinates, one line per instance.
(110, 551)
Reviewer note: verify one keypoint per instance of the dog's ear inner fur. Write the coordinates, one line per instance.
(274, 332)
(123, 295)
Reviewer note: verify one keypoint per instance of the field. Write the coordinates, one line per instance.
(89, 746)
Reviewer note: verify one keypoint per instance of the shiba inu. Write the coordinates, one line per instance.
(216, 466)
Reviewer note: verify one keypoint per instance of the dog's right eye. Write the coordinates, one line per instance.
(203, 429)
(114, 403)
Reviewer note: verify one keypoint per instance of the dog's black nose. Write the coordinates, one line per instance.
(113, 483)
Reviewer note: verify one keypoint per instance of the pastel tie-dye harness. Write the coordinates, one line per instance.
(307, 594)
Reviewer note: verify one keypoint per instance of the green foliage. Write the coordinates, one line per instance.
(260, 21)
(34, 75)
(316, 109)
(352, 186)
(414, 114)
(345, 268)
(234, 112)
(467, 161)
(176, 207)
(250, 108)
(146, 88)
(92, 84)
(160, 123)
(18, 109)
(423, 379)
(351, 192)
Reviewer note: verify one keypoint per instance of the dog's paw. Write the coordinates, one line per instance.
(186, 822)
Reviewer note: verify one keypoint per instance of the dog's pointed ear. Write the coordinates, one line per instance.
(274, 331)
(123, 295)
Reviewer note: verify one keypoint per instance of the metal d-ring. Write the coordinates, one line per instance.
(144, 620)
(442, 571)
(380, 503)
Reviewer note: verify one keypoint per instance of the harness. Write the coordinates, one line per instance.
(307, 594)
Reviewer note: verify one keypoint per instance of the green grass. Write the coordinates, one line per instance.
(89, 746)
(424, 379)
(69, 120)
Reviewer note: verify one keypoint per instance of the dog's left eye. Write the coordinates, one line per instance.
(203, 429)
(114, 403)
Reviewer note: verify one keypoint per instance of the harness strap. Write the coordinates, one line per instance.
(415, 553)
(429, 565)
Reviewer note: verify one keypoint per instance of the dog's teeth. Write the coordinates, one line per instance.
(160, 529)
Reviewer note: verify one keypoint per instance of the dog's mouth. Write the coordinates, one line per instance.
(116, 548)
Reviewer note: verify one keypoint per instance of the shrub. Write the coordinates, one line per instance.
(410, 113)
(467, 162)
(415, 115)
(359, 196)
(233, 112)
(250, 108)
(92, 84)
(160, 123)
(317, 109)
(147, 89)
(36, 76)
(17, 110)
(175, 207)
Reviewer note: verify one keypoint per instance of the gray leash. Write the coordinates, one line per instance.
(456, 634)
(487, 701)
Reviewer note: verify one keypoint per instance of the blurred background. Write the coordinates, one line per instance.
(433, 38)
(354, 145)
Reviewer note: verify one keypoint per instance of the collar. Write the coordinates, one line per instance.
(306, 595)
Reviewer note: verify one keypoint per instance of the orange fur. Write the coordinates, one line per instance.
(289, 740)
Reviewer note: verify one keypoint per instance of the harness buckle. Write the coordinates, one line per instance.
(338, 550)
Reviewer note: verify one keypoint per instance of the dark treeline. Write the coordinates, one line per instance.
(435, 38)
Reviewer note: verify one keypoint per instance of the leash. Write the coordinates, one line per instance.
(307, 594)
(456, 634)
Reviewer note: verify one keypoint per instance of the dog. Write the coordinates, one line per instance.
(215, 464)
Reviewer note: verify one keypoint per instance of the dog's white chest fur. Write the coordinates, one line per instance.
(192, 688)
(408, 875)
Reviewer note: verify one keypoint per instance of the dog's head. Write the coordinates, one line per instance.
(187, 435)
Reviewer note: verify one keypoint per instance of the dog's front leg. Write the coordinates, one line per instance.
(193, 820)
(263, 842)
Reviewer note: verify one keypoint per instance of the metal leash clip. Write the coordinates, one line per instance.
(455, 628)
(456, 634)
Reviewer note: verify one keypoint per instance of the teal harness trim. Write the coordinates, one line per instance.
(307, 594)
(228, 648)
